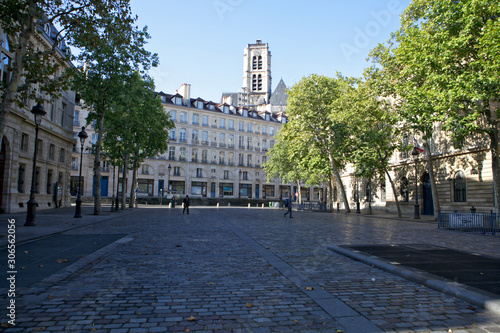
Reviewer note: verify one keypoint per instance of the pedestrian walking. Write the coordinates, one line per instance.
(186, 205)
(288, 204)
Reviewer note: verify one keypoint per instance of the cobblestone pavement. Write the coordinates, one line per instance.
(245, 270)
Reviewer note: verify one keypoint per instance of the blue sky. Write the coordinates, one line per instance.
(201, 42)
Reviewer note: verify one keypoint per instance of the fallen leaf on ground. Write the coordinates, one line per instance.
(310, 288)
(59, 261)
(249, 305)
(191, 318)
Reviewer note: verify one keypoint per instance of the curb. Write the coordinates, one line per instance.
(469, 294)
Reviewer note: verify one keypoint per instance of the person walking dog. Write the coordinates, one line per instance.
(186, 204)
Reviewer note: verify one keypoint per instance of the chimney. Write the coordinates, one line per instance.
(185, 92)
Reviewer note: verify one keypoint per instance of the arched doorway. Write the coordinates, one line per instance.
(427, 195)
(3, 154)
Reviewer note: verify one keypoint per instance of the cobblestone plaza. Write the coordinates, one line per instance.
(228, 270)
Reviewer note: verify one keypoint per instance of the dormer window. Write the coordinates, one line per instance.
(225, 109)
(211, 106)
(199, 105)
(177, 100)
(245, 113)
(164, 99)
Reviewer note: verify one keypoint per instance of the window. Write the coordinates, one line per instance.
(182, 135)
(249, 160)
(259, 82)
(230, 159)
(62, 155)
(5, 59)
(271, 144)
(199, 173)
(264, 144)
(24, 142)
(226, 174)
(183, 117)
(222, 123)
(254, 82)
(245, 175)
(94, 138)
(74, 163)
(204, 137)
(249, 128)
(204, 156)
(76, 118)
(241, 141)
(63, 113)
(49, 181)
(249, 142)
(171, 153)
(460, 187)
(222, 140)
(271, 131)
(231, 124)
(254, 62)
(241, 159)
(403, 190)
(196, 119)
(194, 136)
(264, 159)
(231, 140)
(182, 155)
(173, 115)
(242, 126)
(259, 65)
(52, 152)
(172, 134)
(39, 152)
(204, 121)
(177, 171)
(194, 155)
(222, 157)
(264, 129)
(21, 178)
(145, 169)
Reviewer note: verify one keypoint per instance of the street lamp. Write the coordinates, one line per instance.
(168, 179)
(415, 154)
(82, 135)
(38, 112)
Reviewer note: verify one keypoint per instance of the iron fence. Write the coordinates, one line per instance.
(475, 222)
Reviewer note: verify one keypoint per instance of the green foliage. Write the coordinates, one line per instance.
(37, 69)
(136, 125)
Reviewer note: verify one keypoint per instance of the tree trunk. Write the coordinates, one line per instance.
(330, 188)
(131, 203)
(124, 182)
(495, 165)
(299, 199)
(430, 170)
(394, 190)
(97, 166)
(341, 185)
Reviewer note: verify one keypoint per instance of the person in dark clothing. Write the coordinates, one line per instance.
(288, 204)
(186, 204)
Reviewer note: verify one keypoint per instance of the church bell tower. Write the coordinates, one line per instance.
(256, 75)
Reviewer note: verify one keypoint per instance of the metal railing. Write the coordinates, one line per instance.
(310, 205)
(475, 222)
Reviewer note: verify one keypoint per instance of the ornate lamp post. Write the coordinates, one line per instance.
(82, 135)
(168, 179)
(415, 154)
(38, 111)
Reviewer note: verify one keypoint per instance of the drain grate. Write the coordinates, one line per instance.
(469, 269)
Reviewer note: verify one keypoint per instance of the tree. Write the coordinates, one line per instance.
(109, 53)
(319, 125)
(38, 71)
(448, 60)
(137, 127)
(378, 132)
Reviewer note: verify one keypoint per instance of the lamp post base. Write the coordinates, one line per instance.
(31, 213)
(416, 214)
(78, 211)
(358, 210)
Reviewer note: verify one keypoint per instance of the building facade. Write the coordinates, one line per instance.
(55, 142)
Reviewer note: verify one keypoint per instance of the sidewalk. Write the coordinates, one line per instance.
(52, 221)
